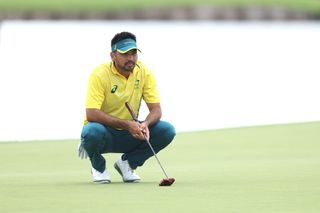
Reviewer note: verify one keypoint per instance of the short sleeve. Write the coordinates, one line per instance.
(150, 91)
(95, 93)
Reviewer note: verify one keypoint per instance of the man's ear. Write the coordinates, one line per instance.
(112, 55)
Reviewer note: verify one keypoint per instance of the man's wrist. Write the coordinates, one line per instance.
(125, 124)
(146, 122)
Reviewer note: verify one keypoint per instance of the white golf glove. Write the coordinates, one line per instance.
(82, 153)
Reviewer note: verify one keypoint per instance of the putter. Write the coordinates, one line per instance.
(164, 182)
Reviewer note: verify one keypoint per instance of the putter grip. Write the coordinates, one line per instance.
(131, 111)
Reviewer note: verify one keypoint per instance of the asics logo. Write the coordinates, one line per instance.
(114, 88)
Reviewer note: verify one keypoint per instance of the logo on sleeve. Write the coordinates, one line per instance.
(114, 88)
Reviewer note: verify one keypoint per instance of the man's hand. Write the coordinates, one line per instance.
(139, 130)
(82, 153)
(145, 130)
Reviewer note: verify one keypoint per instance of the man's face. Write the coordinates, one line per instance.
(125, 61)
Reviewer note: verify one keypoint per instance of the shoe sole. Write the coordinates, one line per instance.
(126, 181)
(102, 181)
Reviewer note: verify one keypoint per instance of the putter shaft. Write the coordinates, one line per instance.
(155, 155)
(134, 117)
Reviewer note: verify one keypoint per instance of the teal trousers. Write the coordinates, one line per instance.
(98, 139)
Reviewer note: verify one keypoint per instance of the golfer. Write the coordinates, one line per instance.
(108, 127)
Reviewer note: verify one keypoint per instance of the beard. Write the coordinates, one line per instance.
(128, 66)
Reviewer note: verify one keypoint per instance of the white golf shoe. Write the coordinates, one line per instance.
(99, 177)
(124, 169)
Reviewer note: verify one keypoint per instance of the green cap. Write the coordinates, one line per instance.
(124, 46)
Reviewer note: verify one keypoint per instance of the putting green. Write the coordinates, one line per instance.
(257, 169)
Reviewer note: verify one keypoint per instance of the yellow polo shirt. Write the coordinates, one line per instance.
(108, 90)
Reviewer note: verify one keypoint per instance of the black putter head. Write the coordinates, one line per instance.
(167, 182)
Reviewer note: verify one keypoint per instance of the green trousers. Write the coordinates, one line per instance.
(98, 139)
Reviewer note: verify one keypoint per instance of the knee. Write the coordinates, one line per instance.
(166, 131)
(170, 132)
(92, 133)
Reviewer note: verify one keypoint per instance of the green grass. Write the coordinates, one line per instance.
(107, 5)
(260, 169)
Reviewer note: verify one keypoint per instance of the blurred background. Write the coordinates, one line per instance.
(218, 64)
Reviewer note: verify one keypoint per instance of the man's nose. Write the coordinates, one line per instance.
(130, 56)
